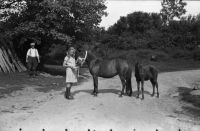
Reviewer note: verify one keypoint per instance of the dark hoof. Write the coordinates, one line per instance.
(142, 98)
(120, 95)
(69, 97)
(65, 95)
(137, 97)
(157, 95)
(152, 95)
(95, 94)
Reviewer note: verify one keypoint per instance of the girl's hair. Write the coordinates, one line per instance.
(71, 48)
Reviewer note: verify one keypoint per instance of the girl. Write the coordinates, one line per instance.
(71, 71)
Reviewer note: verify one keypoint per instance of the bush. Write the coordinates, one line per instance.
(178, 53)
(147, 54)
(196, 54)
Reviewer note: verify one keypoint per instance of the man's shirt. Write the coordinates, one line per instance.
(33, 52)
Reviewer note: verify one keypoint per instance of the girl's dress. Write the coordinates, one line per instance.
(71, 74)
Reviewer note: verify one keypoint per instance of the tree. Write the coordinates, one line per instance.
(172, 9)
(50, 22)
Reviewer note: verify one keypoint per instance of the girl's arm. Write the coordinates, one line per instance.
(65, 63)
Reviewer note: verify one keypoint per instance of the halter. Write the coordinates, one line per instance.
(83, 59)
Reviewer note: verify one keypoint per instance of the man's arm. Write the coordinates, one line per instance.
(38, 56)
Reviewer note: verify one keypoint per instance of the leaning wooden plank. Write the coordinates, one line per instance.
(7, 60)
(1, 61)
(4, 62)
(6, 65)
(1, 64)
(14, 59)
(22, 66)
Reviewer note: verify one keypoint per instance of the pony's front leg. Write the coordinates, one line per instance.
(95, 80)
(138, 88)
(153, 85)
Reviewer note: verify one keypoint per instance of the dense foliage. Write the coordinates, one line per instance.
(145, 30)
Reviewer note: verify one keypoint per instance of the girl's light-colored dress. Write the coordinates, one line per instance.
(71, 74)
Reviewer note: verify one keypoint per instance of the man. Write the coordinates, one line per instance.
(32, 60)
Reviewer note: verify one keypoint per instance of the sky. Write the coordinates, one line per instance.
(117, 8)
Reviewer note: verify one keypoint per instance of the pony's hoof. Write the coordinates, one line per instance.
(158, 96)
(95, 94)
(70, 98)
(142, 98)
(120, 95)
(152, 95)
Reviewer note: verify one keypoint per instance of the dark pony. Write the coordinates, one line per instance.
(108, 68)
(144, 73)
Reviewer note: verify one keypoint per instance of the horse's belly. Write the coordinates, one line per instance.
(107, 73)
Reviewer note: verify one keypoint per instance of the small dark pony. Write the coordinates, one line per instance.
(144, 73)
(108, 68)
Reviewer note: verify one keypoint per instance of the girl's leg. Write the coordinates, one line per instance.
(68, 91)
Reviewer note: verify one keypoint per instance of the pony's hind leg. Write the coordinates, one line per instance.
(129, 87)
(142, 88)
(153, 85)
(123, 80)
(138, 88)
(157, 89)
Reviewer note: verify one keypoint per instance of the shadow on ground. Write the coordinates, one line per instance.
(9, 90)
(186, 96)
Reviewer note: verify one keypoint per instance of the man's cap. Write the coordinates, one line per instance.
(32, 43)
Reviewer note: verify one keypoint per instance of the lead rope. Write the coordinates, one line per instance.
(82, 63)
(84, 58)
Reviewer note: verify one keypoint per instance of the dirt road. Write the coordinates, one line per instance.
(33, 108)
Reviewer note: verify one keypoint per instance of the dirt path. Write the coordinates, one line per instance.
(32, 109)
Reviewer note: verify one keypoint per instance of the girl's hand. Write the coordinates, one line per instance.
(74, 67)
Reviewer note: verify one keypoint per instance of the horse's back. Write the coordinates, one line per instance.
(153, 71)
(147, 72)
